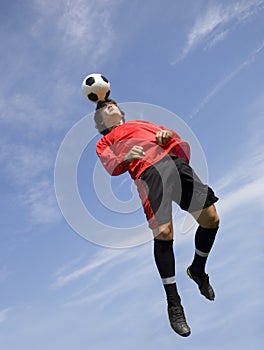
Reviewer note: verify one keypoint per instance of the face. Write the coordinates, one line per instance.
(111, 116)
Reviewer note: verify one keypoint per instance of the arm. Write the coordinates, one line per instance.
(117, 162)
(136, 152)
(182, 148)
(112, 163)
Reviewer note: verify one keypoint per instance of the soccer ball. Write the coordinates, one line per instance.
(96, 87)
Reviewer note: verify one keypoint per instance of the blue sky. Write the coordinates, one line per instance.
(201, 63)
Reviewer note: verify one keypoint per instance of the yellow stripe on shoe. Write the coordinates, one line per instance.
(203, 284)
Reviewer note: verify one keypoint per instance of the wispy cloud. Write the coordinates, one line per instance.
(220, 85)
(213, 25)
(241, 175)
(240, 186)
(108, 275)
(23, 163)
(63, 278)
(247, 194)
(28, 170)
(41, 201)
(86, 26)
(4, 314)
(44, 108)
(217, 38)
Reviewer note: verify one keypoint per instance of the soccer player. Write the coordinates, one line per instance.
(158, 161)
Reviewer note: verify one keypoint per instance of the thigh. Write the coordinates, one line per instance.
(207, 217)
(156, 196)
(194, 194)
(164, 232)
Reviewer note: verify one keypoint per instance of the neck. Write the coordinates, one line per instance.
(115, 126)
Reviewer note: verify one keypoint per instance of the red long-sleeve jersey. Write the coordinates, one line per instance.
(113, 147)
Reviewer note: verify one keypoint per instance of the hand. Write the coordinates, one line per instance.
(163, 137)
(136, 152)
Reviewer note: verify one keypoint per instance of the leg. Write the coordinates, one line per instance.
(165, 261)
(207, 218)
(194, 196)
(208, 221)
(157, 203)
(155, 193)
(164, 232)
(204, 239)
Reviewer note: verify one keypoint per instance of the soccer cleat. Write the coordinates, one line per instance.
(178, 321)
(203, 283)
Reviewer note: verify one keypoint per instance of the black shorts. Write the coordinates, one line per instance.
(172, 180)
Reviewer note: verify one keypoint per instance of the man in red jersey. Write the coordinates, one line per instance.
(158, 161)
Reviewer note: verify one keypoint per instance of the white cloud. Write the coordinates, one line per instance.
(24, 163)
(28, 112)
(246, 195)
(41, 201)
(109, 274)
(213, 25)
(81, 25)
(205, 25)
(66, 27)
(28, 169)
(218, 37)
(27, 157)
(4, 314)
(241, 174)
(59, 27)
(242, 185)
(102, 258)
(22, 108)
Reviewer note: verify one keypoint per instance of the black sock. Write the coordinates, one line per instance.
(165, 261)
(204, 240)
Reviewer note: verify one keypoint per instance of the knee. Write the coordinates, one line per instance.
(208, 218)
(164, 232)
(212, 221)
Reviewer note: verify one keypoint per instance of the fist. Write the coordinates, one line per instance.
(163, 137)
(136, 152)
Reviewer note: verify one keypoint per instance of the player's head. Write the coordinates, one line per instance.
(107, 116)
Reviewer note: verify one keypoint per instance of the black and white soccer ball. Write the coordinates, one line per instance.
(96, 87)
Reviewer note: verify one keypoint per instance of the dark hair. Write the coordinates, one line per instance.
(98, 116)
